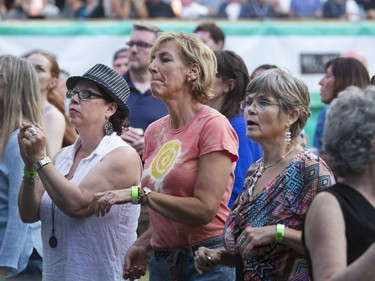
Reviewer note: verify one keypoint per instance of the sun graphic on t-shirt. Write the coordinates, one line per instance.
(164, 161)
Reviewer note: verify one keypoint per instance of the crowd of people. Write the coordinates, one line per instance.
(178, 161)
(188, 9)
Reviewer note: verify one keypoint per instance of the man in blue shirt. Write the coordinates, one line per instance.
(144, 108)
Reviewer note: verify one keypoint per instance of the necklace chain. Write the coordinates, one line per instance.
(264, 167)
(258, 172)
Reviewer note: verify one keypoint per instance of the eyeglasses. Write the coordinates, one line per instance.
(139, 44)
(259, 104)
(83, 94)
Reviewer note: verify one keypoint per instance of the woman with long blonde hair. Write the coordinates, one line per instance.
(20, 102)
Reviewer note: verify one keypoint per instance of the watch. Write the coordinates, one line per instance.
(146, 192)
(42, 162)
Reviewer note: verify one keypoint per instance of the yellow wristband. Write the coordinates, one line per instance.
(135, 194)
(280, 230)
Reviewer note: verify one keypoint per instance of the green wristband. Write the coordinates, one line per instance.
(2, 277)
(280, 230)
(135, 194)
(30, 174)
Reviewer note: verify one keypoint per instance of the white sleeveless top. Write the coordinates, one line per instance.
(92, 248)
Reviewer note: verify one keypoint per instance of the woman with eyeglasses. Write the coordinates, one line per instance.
(262, 235)
(76, 244)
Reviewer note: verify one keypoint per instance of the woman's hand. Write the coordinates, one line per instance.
(253, 237)
(32, 143)
(103, 201)
(205, 259)
(135, 264)
(134, 137)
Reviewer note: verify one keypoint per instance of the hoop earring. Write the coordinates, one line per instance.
(288, 137)
(108, 128)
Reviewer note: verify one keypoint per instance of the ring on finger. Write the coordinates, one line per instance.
(106, 200)
(241, 240)
(32, 131)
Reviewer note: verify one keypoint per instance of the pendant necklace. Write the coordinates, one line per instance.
(53, 240)
(261, 168)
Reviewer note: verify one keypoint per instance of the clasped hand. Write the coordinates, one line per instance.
(205, 259)
(32, 143)
(253, 237)
(103, 201)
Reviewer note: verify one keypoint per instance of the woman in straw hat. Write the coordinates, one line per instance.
(78, 246)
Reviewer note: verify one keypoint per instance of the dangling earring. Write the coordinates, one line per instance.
(188, 79)
(108, 128)
(288, 137)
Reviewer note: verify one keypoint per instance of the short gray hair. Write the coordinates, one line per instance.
(349, 131)
(148, 27)
(291, 92)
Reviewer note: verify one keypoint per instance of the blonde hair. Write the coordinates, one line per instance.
(193, 51)
(21, 96)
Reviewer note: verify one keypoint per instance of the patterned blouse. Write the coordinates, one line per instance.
(284, 200)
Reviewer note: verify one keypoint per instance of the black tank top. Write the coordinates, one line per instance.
(359, 217)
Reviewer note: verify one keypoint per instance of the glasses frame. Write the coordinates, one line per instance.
(71, 93)
(139, 44)
(245, 105)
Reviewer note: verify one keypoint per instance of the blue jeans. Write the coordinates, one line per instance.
(178, 265)
(32, 272)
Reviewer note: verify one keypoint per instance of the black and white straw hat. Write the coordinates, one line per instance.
(109, 80)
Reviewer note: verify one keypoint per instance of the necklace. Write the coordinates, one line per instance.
(53, 240)
(261, 168)
(277, 161)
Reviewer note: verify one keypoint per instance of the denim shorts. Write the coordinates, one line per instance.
(178, 265)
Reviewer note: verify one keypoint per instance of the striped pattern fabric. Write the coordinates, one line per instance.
(112, 83)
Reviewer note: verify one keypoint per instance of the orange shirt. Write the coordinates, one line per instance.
(171, 166)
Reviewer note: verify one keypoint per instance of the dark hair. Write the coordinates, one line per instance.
(215, 31)
(348, 72)
(118, 53)
(262, 67)
(119, 119)
(231, 66)
(373, 80)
